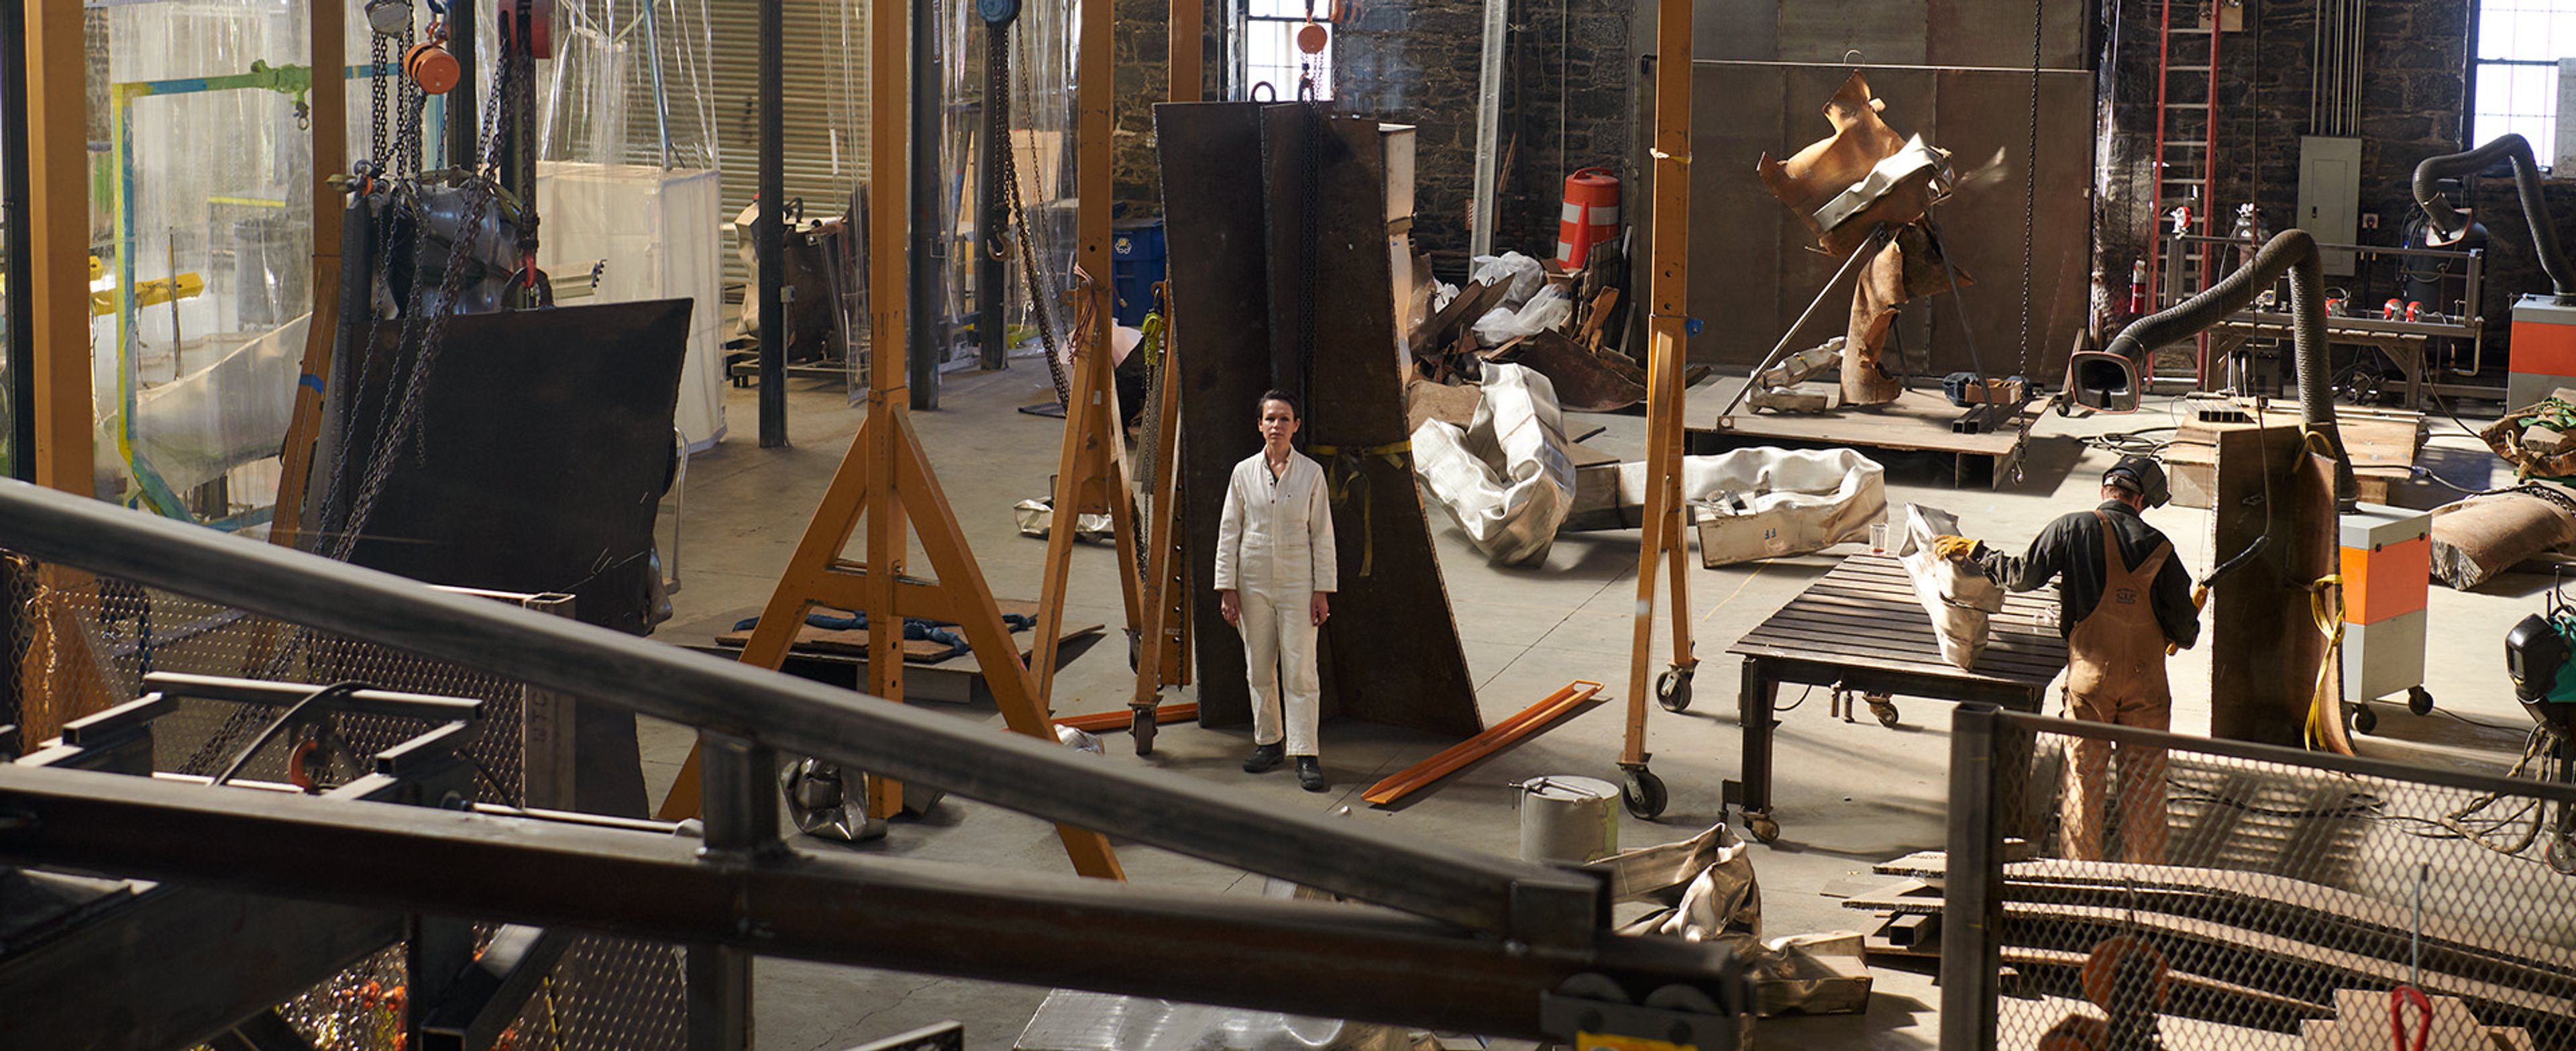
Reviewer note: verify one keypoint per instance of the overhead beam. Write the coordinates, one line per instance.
(1301, 957)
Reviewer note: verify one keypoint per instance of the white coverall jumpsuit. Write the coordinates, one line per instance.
(1274, 549)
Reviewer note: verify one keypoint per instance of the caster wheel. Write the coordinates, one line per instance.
(2560, 853)
(2419, 700)
(2364, 720)
(1763, 828)
(1883, 708)
(1143, 731)
(1643, 794)
(1673, 689)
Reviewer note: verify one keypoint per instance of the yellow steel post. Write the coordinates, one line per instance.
(329, 100)
(1669, 270)
(58, 231)
(1186, 29)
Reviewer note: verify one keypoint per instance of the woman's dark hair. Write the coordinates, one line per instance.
(1283, 398)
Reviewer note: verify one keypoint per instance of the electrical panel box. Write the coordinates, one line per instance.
(2330, 196)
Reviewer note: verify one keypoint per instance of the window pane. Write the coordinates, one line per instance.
(2518, 99)
(2539, 30)
(1271, 56)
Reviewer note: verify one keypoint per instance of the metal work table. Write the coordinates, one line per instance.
(1861, 630)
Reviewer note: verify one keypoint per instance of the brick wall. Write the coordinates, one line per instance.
(2413, 93)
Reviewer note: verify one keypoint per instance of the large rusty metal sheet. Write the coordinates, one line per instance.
(2265, 647)
(1220, 288)
(1391, 650)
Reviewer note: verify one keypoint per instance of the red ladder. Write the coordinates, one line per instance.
(2186, 173)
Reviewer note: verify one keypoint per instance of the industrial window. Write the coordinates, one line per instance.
(2514, 76)
(1270, 54)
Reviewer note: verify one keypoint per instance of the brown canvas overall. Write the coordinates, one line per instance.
(2116, 674)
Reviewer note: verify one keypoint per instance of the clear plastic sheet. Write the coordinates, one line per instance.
(208, 173)
(1044, 45)
(631, 82)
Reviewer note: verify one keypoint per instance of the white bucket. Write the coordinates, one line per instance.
(1568, 819)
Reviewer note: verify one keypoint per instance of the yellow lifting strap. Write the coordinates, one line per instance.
(1343, 476)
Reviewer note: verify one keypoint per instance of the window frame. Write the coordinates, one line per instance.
(1244, 23)
(2468, 131)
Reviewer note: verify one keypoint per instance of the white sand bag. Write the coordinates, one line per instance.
(1958, 595)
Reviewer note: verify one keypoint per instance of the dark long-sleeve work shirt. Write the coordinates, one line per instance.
(2071, 549)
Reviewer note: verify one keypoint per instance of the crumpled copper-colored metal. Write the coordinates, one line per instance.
(1845, 187)
(1906, 268)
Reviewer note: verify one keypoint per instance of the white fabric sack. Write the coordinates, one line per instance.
(1504, 478)
(1958, 595)
(1520, 275)
(1765, 502)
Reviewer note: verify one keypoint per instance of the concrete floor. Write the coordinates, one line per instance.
(1527, 631)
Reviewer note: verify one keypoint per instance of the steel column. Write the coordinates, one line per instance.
(927, 334)
(21, 301)
(769, 241)
(1972, 910)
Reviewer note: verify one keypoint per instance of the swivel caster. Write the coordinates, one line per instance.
(1673, 689)
(1142, 729)
(1882, 707)
(2363, 719)
(1762, 827)
(1643, 794)
(2560, 853)
(2419, 700)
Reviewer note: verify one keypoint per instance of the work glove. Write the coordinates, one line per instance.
(1954, 548)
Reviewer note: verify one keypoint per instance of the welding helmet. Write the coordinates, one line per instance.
(2141, 475)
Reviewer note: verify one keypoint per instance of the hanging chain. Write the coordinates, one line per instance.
(377, 72)
(2030, 181)
(1041, 283)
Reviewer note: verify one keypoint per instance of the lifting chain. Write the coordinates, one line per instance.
(2030, 179)
(999, 80)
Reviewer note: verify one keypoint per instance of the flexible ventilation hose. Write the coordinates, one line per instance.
(2451, 222)
(2292, 252)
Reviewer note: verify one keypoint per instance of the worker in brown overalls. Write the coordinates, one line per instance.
(2118, 605)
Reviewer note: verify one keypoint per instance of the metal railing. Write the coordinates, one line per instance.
(2119, 886)
(1490, 945)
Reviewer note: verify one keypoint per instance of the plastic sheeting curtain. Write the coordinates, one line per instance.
(627, 180)
(1044, 48)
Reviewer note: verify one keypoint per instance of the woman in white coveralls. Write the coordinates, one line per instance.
(1275, 569)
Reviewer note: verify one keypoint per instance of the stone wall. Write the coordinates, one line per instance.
(1569, 102)
(2413, 96)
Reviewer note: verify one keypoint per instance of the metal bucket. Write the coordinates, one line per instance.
(1568, 819)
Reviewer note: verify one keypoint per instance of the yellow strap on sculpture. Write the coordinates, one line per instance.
(2330, 623)
(1343, 476)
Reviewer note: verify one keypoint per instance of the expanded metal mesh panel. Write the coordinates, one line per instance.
(81, 644)
(2190, 899)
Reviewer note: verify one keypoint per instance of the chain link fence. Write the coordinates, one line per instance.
(80, 643)
(2114, 888)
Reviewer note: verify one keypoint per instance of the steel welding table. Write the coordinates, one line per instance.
(1861, 630)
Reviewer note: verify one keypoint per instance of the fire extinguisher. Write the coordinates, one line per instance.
(2138, 288)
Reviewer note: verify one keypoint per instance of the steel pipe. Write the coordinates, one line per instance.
(1504, 897)
(1304, 957)
(2453, 224)
(2291, 252)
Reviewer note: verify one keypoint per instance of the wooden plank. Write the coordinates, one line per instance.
(1917, 421)
(1511, 731)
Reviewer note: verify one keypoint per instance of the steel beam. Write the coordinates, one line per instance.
(1300, 957)
(487, 997)
(20, 304)
(57, 232)
(770, 240)
(1515, 899)
(179, 965)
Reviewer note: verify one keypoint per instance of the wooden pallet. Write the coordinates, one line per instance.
(2381, 442)
(1916, 422)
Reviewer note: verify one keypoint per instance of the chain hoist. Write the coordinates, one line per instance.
(2030, 180)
